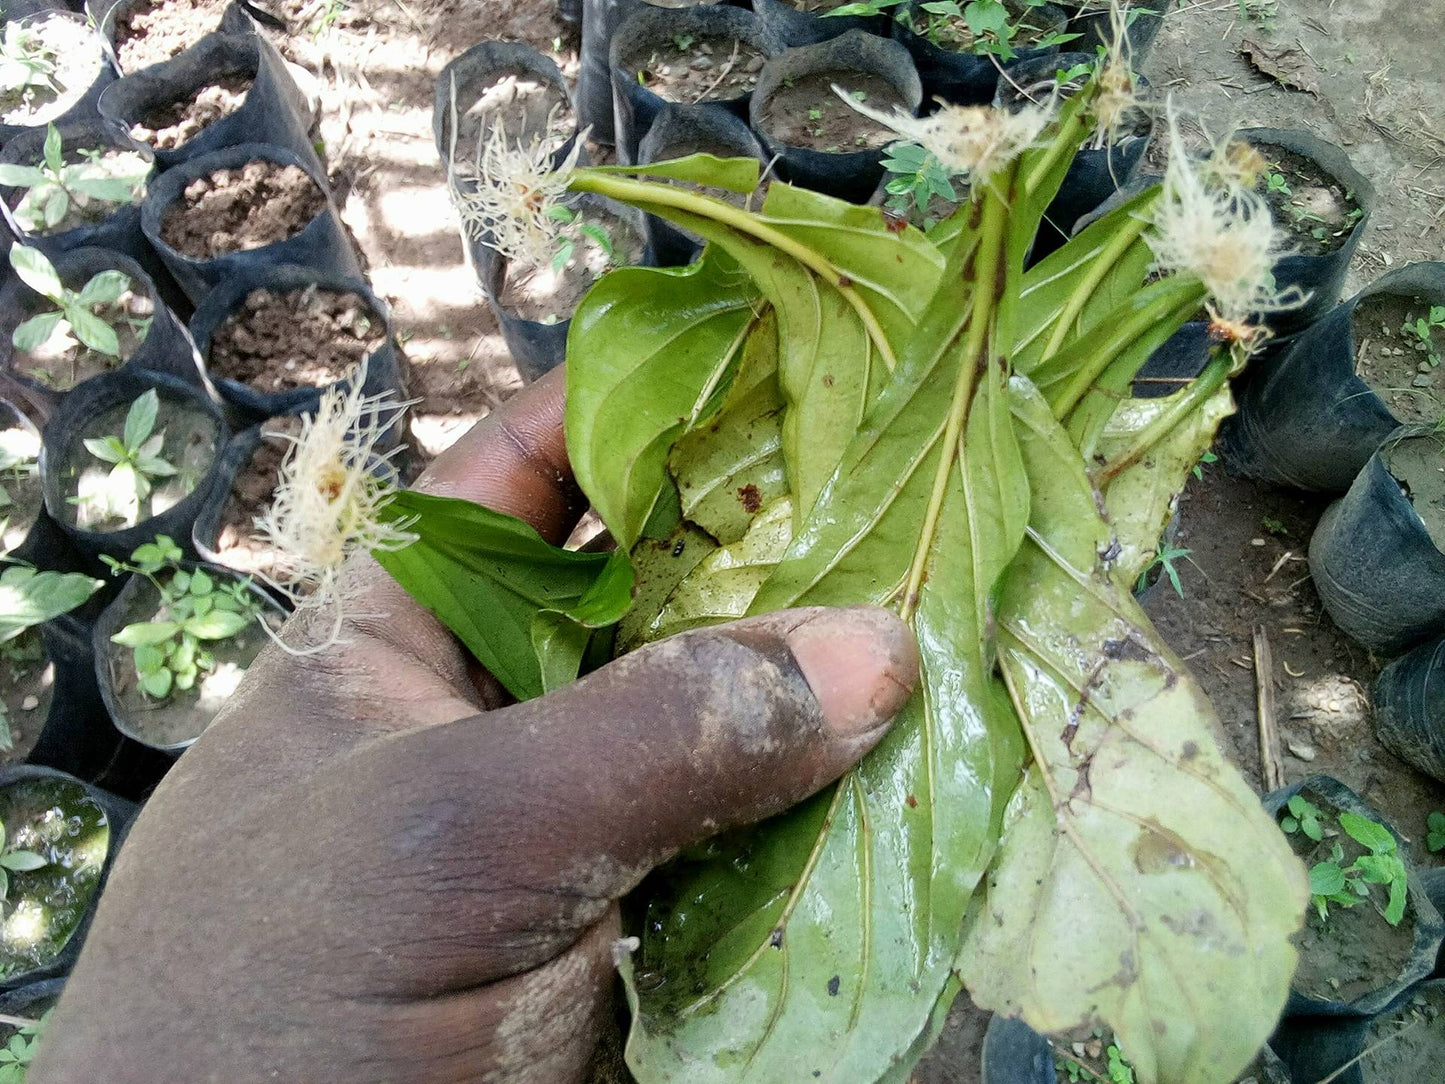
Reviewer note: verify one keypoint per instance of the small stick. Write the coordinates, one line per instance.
(721, 75)
(1279, 564)
(17, 1021)
(1269, 767)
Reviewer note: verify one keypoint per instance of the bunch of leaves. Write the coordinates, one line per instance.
(1422, 329)
(26, 62)
(19, 1051)
(832, 408)
(1333, 882)
(92, 186)
(14, 859)
(982, 27)
(82, 314)
(1164, 562)
(918, 179)
(28, 598)
(171, 651)
(135, 458)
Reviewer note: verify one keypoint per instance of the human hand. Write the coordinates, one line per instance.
(370, 869)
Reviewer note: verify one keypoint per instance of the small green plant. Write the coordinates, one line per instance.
(1258, 11)
(1333, 882)
(575, 230)
(1422, 329)
(135, 456)
(19, 461)
(1204, 461)
(1274, 183)
(1115, 1070)
(1273, 526)
(17, 1054)
(919, 179)
(1164, 560)
(982, 27)
(26, 62)
(15, 859)
(815, 114)
(683, 42)
(91, 186)
(1304, 816)
(1435, 827)
(77, 313)
(169, 651)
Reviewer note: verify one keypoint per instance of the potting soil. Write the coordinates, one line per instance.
(1397, 365)
(809, 114)
(235, 210)
(306, 337)
(169, 126)
(705, 69)
(152, 31)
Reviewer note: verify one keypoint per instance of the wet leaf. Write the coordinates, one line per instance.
(674, 333)
(22, 861)
(1190, 890)
(505, 591)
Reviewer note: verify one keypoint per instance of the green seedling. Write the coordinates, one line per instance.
(683, 42)
(1332, 882)
(1120, 1071)
(15, 859)
(1304, 816)
(1435, 827)
(815, 114)
(576, 229)
(1276, 184)
(1204, 460)
(327, 17)
(982, 27)
(135, 455)
(17, 1054)
(92, 186)
(859, 95)
(1422, 329)
(1164, 560)
(1258, 11)
(919, 179)
(1273, 526)
(27, 64)
(170, 651)
(18, 462)
(77, 313)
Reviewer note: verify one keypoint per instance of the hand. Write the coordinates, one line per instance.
(369, 869)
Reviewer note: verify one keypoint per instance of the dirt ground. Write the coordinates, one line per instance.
(1373, 82)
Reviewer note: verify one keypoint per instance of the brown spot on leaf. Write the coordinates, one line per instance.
(912, 802)
(833, 985)
(751, 499)
(828, 380)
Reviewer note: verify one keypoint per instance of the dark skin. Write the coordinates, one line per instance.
(372, 868)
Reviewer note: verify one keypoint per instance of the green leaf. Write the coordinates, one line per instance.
(733, 174)
(94, 332)
(57, 203)
(158, 684)
(842, 917)
(1376, 838)
(488, 576)
(28, 598)
(148, 657)
(54, 148)
(1326, 879)
(1151, 814)
(106, 449)
(1395, 908)
(200, 583)
(108, 189)
(140, 419)
(22, 861)
(216, 625)
(36, 271)
(35, 332)
(143, 633)
(674, 333)
(104, 288)
(13, 176)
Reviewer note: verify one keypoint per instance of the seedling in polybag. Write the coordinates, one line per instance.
(26, 62)
(91, 186)
(17, 1054)
(15, 859)
(983, 27)
(683, 42)
(1304, 816)
(1275, 183)
(1204, 461)
(919, 178)
(19, 460)
(77, 313)
(1435, 825)
(135, 456)
(170, 651)
(575, 229)
(1332, 882)
(1422, 329)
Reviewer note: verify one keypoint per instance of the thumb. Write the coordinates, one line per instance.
(564, 803)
